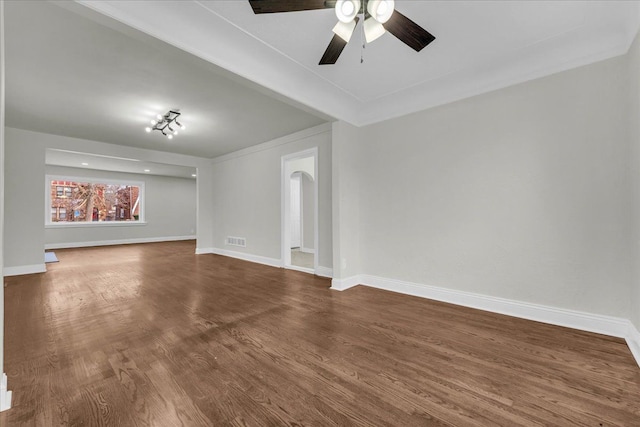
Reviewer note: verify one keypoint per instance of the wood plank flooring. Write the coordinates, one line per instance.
(152, 335)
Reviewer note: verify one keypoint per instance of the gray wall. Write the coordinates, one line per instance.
(23, 202)
(522, 193)
(634, 136)
(308, 217)
(2, 183)
(169, 204)
(247, 199)
(348, 150)
(24, 237)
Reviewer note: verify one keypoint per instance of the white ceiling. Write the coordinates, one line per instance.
(71, 71)
(480, 46)
(101, 70)
(74, 159)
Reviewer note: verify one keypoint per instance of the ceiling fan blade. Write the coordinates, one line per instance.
(276, 6)
(408, 32)
(335, 48)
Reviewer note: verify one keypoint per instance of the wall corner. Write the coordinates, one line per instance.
(5, 395)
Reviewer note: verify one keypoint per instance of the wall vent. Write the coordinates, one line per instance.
(236, 241)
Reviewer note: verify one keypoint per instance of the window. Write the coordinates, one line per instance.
(88, 201)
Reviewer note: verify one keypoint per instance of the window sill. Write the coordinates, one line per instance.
(96, 224)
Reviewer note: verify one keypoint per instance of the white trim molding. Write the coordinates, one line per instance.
(607, 325)
(273, 262)
(19, 270)
(202, 251)
(47, 200)
(287, 139)
(116, 242)
(79, 224)
(5, 394)
(633, 341)
(266, 65)
(346, 283)
(324, 272)
(302, 269)
(285, 196)
(597, 323)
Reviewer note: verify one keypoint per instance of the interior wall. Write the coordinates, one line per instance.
(169, 210)
(308, 213)
(522, 193)
(24, 237)
(204, 207)
(634, 136)
(2, 180)
(348, 148)
(24, 202)
(303, 165)
(295, 210)
(247, 200)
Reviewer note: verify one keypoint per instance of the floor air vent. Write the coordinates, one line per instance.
(237, 241)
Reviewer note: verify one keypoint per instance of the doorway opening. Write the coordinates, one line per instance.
(300, 210)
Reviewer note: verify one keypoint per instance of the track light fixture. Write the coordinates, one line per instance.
(168, 124)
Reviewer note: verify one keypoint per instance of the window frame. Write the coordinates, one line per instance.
(91, 180)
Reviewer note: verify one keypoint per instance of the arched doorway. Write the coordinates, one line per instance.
(300, 211)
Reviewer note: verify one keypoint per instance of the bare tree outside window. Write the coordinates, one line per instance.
(88, 202)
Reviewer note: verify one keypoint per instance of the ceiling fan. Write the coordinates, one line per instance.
(379, 16)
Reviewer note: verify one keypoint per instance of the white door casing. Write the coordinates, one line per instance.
(296, 211)
(285, 225)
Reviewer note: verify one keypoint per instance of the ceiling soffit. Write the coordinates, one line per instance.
(480, 46)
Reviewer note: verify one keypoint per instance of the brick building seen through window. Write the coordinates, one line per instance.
(73, 201)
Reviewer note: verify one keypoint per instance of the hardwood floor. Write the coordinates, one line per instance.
(153, 335)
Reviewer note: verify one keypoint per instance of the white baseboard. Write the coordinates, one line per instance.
(606, 325)
(5, 395)
(302, 269)
(201, 251)
(273, 262)
(308, 251)
(24, 269)
(324, 272)
(346, 283)
(633, 341)
(116, 242)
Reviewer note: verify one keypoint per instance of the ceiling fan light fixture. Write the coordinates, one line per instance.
(372, 29)
(347, 10)
(381, 10)
(345, 30)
